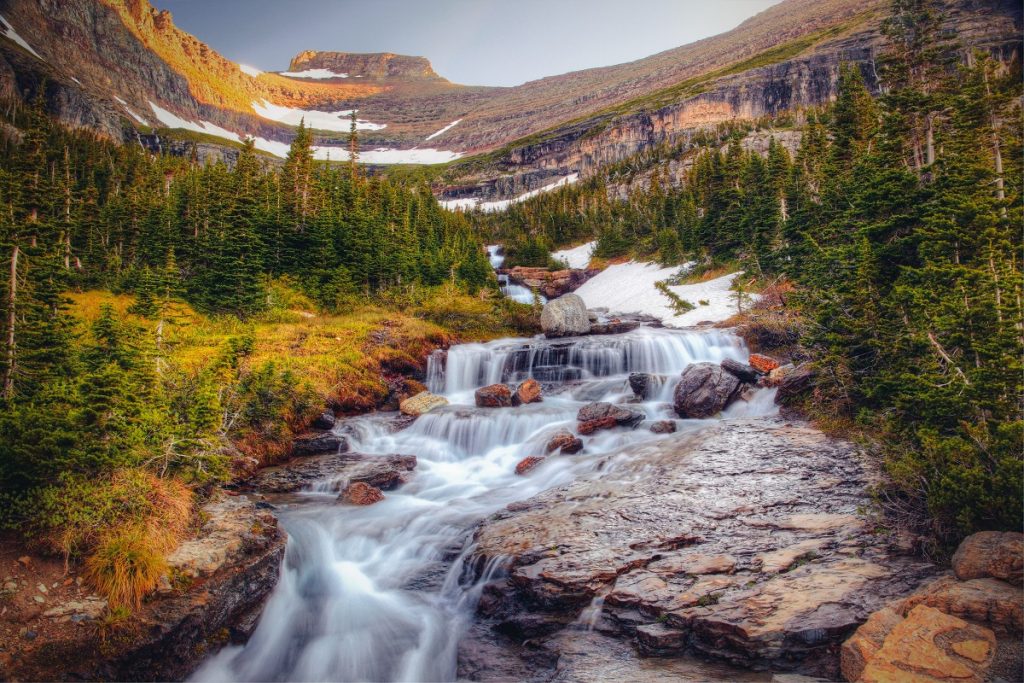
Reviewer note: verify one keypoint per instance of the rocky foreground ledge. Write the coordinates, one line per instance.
(747, 544)
(214, 593)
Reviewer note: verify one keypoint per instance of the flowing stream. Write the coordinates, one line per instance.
(378, 593)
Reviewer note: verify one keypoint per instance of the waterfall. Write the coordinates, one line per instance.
(378, 593)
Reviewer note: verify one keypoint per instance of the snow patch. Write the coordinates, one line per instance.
(630, 288)
(443, 130)
(577, 257)
(312, 73)
(381, 155)
(249, 70)
(502, 204)
(321, 120)
(130, 112)
(11, 34)
(172, 120)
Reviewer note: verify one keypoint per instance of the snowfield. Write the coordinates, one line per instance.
(11, 34)
(249, 70)
(130, 112)
(577, 257)
(443, 130)
(312, 73)
(470, 203)
(323, 120)
(381, 155)
(629, 288)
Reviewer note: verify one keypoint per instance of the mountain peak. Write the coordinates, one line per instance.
(377, 65)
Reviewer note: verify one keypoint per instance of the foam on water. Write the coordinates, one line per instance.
(379, 593)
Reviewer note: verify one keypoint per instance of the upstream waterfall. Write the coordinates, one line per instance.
(378, 593)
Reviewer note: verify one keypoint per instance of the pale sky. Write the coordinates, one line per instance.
(476, 42)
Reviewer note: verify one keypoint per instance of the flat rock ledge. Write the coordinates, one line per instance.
(744, 544)
(385, 472)
(221, 579)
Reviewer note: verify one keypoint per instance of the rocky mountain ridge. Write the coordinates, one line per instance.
(122, 67)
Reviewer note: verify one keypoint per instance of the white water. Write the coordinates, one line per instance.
(523, 295)
(379, 593)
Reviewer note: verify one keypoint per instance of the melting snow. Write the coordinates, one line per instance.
(172, 120)
(629, 288)
(130, 112)
(443, 130)
(250, 70)
(577, 257)
(9, 31)
(322, 120)
(313, 73)
(381, 155)
(502, 204)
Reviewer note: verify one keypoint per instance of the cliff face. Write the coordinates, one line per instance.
(381, 65)
(808, 79)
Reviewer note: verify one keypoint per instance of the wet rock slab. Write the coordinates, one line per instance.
(385, 472)
(744, 543)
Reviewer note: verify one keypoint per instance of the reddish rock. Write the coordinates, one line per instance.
(528, 392)
(926, 645)
(494, 396)
(361, 493)
(528, 463)
(591, 426)
(991, 554)
(565, 443)
(763, 364)
(663, 427)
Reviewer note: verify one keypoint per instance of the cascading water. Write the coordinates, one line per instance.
(523, 295)
(376, 593)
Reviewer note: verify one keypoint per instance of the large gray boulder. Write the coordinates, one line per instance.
(566, 316)
(704, 390)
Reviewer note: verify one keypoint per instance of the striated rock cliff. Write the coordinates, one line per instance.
(380, 65)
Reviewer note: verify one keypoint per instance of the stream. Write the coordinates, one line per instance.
(378, 593)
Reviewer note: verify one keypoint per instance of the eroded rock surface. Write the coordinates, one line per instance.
(382, 471)
(704, 390)
(743, 543)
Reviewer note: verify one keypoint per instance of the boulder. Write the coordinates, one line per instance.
(360, 493)
(991, 554)
(422, 402)
(565, 443)
(926, 645)
(565, 316)
(663, 427)
(704, 390)
(741, 371)
(763, 364)
(317, 444)
(795, 383)
(776, 376)
(603, 415)
(990, 602)
(493, 396)
(641, 383)
(324, 420)
(527, 392)
(528, 463)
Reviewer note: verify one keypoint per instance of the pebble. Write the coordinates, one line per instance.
(30, 635)
(11, 586)
(39, 598)
(41, 588)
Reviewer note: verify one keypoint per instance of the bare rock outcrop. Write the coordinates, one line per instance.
(744, 543)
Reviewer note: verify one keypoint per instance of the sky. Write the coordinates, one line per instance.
(475, 42)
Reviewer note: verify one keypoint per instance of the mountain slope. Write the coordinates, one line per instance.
(121, 65)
